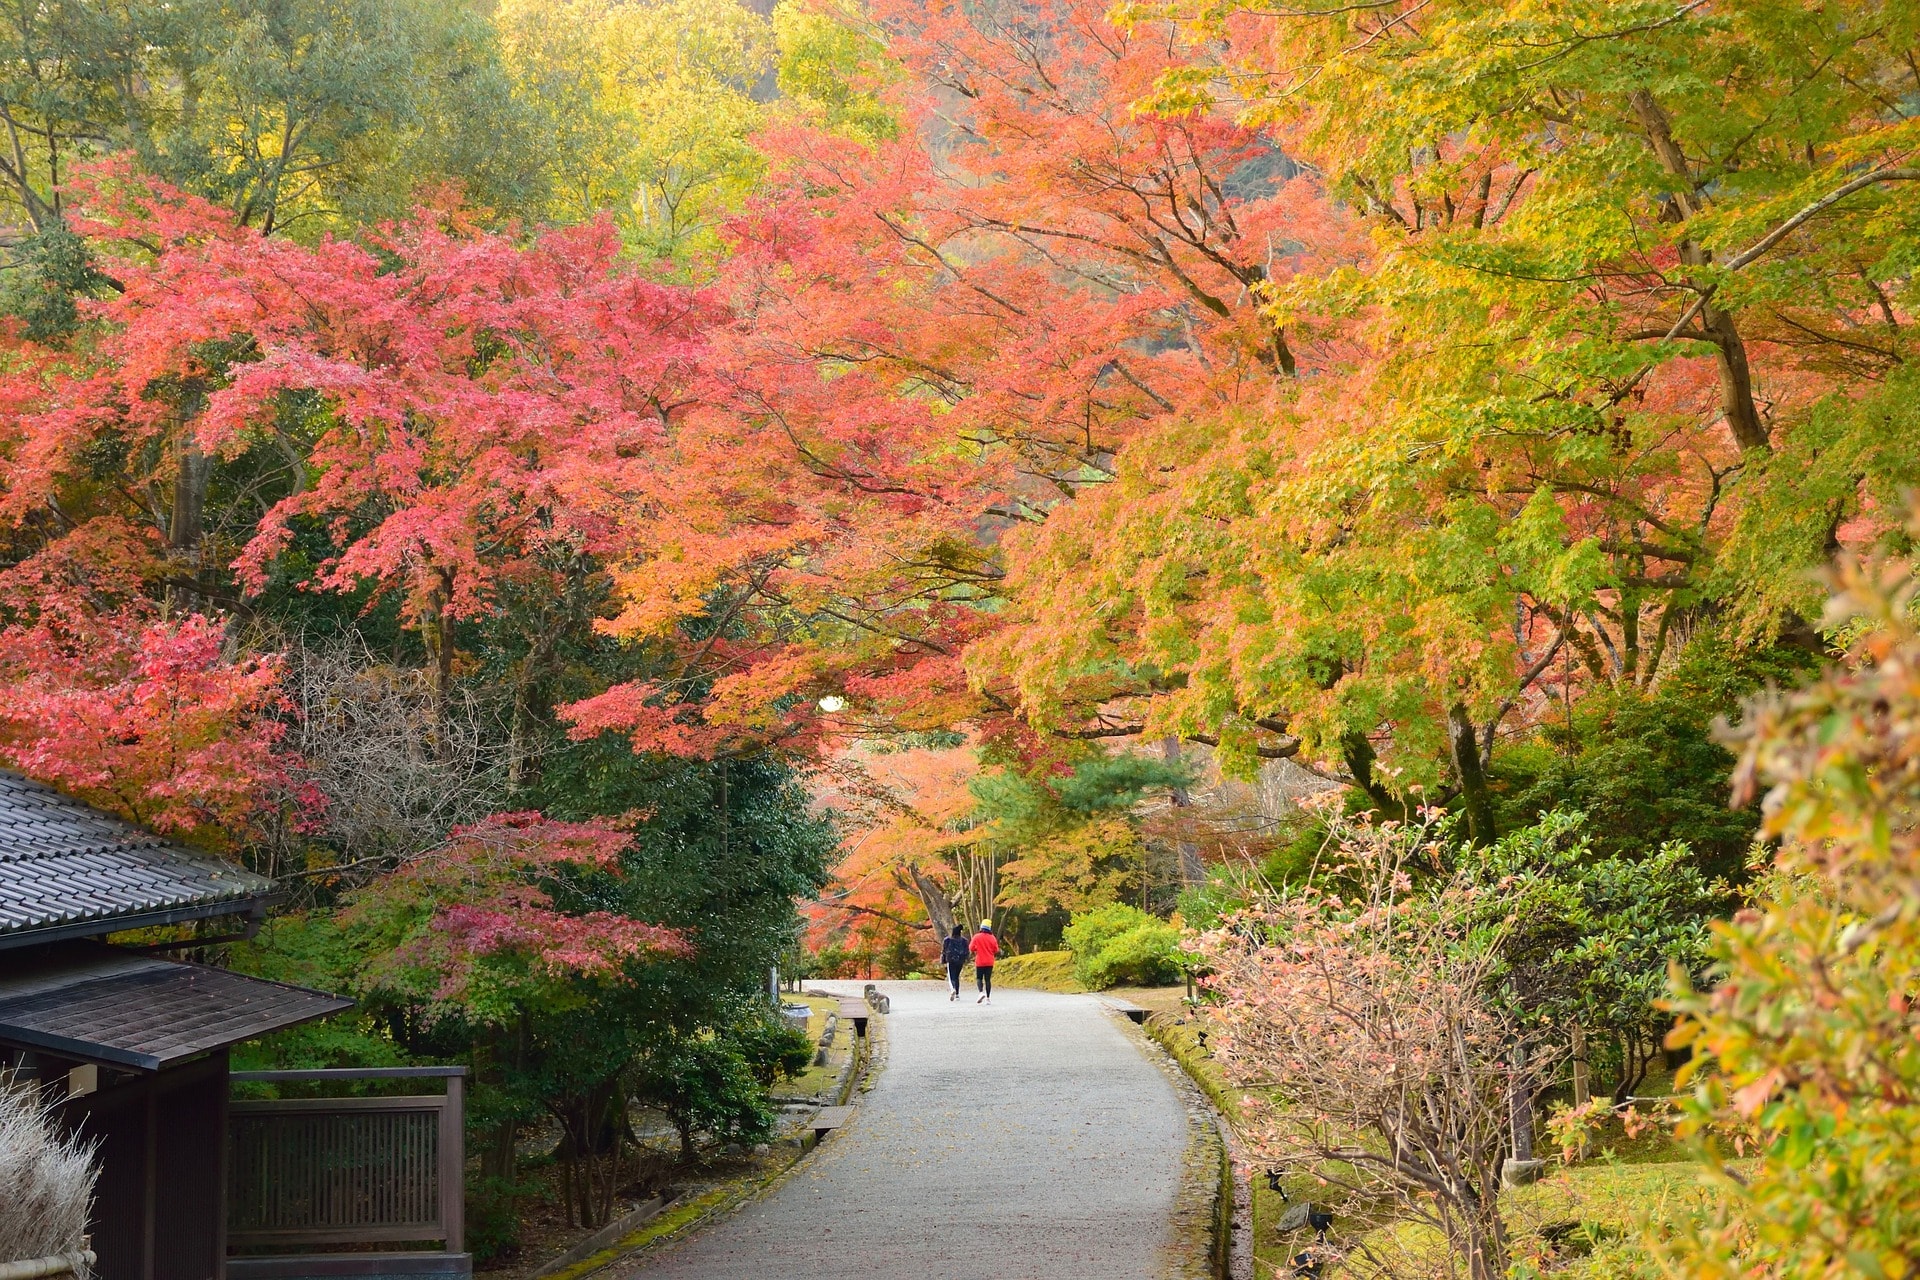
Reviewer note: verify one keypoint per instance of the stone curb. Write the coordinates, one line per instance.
(1202, 1232)
(605, 1238)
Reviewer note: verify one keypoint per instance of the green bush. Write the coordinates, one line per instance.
(1117, 943)
(707, 1085)
(493, 1216)
(771, 1048)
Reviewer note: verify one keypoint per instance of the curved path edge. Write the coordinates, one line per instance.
(1203, 1242)
(648, 1239)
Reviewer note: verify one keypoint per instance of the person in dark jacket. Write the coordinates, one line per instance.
(953, 953)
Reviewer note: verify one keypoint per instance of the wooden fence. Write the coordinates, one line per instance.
(348, 1170)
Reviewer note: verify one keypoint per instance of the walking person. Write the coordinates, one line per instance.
(953, 953)
(986, 949)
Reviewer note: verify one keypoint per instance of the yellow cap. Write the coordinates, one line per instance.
(986, 924)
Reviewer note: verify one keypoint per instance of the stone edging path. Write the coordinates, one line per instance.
(1029, 1138)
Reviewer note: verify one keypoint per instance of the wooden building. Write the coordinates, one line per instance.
(133, 1047)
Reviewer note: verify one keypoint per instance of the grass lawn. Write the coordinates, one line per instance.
(1053, 971)
(1039, 971)
(815, 1082)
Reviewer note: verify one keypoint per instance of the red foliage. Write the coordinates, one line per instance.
(145, 716)
(481, 902)
(935, 340)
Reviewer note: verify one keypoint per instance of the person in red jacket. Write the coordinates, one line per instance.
(986, 949)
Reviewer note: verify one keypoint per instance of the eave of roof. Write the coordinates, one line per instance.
(123, 1009)
(67, 870)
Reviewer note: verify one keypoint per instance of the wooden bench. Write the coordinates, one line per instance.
(855, 1011)
(829, 1119)
(1133, 1011)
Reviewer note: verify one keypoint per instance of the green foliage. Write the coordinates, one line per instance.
(1592, 939)
(1806, 1053)
(1118, 943)
(770, 1048)
(294, 113)
(646, 108)
(494, 1215)
(1021, 806)
(51, 269)
(832, 66)
(706, 1084)
(1643, 765)
(1075, 843)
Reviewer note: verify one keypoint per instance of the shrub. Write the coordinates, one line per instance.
(771, 1048)
(493, 1216)
(707, 1085)
(1118, 943)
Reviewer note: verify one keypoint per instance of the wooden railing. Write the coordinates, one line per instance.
(348, 1170)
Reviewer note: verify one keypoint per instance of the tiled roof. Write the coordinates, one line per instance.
(99, 1004)
(68, 870)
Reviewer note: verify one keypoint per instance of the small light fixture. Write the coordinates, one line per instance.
(833, 703)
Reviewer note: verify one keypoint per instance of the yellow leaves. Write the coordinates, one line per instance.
(1076, 870)
(648, 108)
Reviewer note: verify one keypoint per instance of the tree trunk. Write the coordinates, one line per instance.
(501, 1152)
(934, 899)
(1465, 749)
(1736, 379)
(436, 632)
(1520, 1106)
(1192, 870)
(529, 710)
(1357, 753)
(1486, 1253)
(186, 524)
(1582, 1086)
(1730, 351)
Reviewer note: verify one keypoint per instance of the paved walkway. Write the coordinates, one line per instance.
(1022, 1140)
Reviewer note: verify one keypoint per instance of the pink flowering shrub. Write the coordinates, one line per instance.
(1368, 1028)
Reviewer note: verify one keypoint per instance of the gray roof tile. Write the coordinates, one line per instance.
(67, 869)
(99, 1004)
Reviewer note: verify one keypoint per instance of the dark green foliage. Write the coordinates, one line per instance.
(1643, 766)
(1114, 784)
(706, 1084)
(493, 1215)
(770, 1048)
(724, 851)
(50, 270)
(897, 959)
(1590, 937)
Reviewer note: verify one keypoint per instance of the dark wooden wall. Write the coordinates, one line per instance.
(160, 1210)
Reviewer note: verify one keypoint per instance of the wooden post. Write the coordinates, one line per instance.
(1581, 1092)
(453, 1165)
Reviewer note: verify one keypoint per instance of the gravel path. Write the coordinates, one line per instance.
(1022, 1140)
